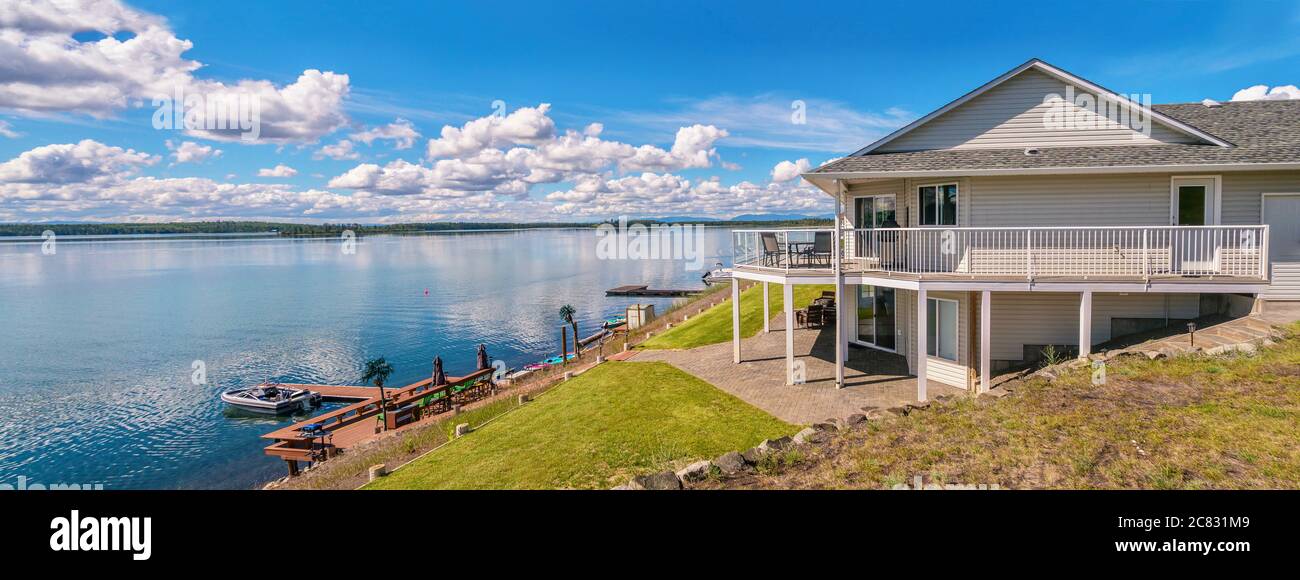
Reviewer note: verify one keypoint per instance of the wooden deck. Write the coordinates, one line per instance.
(356, 423)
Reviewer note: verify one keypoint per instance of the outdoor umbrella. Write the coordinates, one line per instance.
(439, 377)
(483, 357)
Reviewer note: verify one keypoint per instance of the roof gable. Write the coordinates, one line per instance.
(1015, 111)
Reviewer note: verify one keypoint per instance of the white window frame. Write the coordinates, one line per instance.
(956, 327)
(920, 204)
(1216, 196)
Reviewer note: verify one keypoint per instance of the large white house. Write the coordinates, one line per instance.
(1042, 209)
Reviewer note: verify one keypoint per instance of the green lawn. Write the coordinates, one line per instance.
(714, 325)
(613, 422)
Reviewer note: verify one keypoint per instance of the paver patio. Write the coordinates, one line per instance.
(871, 377)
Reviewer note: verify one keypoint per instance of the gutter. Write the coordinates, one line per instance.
(813, 177)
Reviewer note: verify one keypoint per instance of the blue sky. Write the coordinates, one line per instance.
(642, 72)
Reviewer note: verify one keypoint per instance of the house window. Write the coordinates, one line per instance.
(941, 334)
(938, 205)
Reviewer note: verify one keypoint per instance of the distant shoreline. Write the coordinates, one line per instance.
(28, 232)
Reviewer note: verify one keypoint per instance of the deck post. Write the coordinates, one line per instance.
(1085, 324)
(735, 320)
(836, 243)
(986, 340)
(767, 312)
(293, 467)
(787, 293)
(922, 334)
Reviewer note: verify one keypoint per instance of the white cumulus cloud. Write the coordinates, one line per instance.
(401, 132)
(344, 149)
(81, 162)
(191, 152)
(788, 170)
(1264, 93)
(45, 69)
(277, 171)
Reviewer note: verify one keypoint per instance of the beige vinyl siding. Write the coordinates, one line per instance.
(1011, 115)
(1078, 200)
(1108, 306)
(1286, 282)
(1242, 204)
(1242, 193)
(1021, 318)
(1283, 216)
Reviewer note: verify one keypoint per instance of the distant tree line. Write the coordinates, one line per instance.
(295, 230)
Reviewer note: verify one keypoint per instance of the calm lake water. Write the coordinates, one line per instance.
(97, 341)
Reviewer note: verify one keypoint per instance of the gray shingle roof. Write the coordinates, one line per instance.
(1260, 131)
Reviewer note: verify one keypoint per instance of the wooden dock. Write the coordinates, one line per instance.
(357, 422)
(646, 290)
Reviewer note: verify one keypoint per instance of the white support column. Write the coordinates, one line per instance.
(767, 312)
(840, 345)
(735, 320)
(787, 290)
(922, 335)
(1085, 324)
(986, 340)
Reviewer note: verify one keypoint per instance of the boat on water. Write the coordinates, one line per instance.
(717, 274)
(271, 398)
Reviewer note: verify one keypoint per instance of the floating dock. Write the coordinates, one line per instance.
(356, 423)
(646, 290)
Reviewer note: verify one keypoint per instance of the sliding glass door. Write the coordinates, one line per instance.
(876, 316)
(875, 211)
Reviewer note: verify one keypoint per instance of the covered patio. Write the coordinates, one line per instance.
(871, 377)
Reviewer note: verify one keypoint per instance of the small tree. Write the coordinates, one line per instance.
(378, 371)
(566, 314)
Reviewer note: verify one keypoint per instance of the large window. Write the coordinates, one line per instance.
(938, 204)
(941, 334)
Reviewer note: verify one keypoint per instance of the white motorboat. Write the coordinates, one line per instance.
(717, 274)
(271, 398)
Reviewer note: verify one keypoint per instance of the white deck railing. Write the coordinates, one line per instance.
(782, 250)
(1046, 252)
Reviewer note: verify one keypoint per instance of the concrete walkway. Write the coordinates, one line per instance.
(872, 377)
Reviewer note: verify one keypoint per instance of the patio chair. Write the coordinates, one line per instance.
(821, 248)
(815, 313)
(771, 249)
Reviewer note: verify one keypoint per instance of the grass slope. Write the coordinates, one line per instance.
(1191, 422)
(615, 421)
(714, 326)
